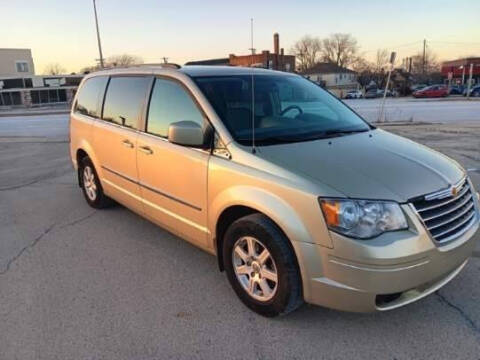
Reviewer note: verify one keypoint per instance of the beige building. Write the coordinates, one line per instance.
(16, 62)
(338, 80)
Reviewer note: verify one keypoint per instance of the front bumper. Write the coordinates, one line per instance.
(390, 271)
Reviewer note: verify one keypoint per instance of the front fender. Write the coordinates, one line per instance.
(283, 214)
(265, 202)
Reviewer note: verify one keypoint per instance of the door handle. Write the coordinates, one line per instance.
(146, 150)
(127, 143)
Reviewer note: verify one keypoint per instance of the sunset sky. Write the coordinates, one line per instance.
(63, 31)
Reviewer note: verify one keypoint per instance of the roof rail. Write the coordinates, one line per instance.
(165, 65)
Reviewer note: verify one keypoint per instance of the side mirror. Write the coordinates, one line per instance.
(187, 133)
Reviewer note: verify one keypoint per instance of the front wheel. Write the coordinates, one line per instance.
(261, 266)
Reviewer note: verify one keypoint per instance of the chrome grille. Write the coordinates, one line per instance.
(447, 216)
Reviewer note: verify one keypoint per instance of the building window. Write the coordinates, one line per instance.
(22, 66)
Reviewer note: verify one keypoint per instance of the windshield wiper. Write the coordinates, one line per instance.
(272, 140)
(344, 132)
(330, 133)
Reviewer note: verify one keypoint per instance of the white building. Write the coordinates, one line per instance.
(336, 79)
(16, 62)
(20, 87)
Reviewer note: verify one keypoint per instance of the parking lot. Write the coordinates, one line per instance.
(445, 110)
(77, 283)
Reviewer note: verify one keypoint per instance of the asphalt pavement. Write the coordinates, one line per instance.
(79, 283)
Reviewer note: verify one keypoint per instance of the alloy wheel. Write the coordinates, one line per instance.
(255, 268)
(89, 183)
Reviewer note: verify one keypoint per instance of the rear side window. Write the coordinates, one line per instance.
(170, 103)
(124, 100)
(89, 95)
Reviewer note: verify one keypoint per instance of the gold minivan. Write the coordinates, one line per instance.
(298, 197)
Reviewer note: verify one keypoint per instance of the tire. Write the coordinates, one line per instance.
(281, 297)
(91, 186)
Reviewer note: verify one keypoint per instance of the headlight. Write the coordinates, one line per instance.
(362, 218)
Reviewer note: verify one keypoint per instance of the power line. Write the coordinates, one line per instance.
(397, 46)
(455, 42)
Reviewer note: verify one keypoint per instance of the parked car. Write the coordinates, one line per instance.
(474, 91)
(373, 93)
(432, 92)
(355, 94)
(456, 90)
(309, 203)
(378, 93)
(417, 87)
(390, 93)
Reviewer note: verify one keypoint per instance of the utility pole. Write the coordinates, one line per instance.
(252, 49)
(98, 35)
(424, 53)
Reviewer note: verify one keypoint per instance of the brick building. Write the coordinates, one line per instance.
(460, 70)
(276, 60)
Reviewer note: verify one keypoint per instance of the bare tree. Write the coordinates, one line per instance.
(431, 63)
(54, 69)
(123, 60)
(89, 69)
(381, 60)
(360, 64)
(307, 51)
(340, 49)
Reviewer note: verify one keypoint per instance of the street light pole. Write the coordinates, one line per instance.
(381, 118)
(469, 86)
(98, 35)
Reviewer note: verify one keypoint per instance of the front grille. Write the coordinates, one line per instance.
(447, 216)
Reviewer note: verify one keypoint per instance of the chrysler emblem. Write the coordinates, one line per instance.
(454, 191)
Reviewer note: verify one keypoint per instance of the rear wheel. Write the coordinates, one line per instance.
(261, 266)
(91, 186)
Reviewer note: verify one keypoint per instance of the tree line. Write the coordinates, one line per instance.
(343, 50)
(112, 61)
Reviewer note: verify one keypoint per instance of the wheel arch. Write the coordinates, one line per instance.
(84, 149)
(224, 211)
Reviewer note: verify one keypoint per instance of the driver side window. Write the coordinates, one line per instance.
(170, 103)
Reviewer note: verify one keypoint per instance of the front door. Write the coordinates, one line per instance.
(115, 138)
(173, 178)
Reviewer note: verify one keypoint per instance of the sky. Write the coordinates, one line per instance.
(63, 31)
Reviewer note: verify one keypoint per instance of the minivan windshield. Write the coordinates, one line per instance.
(287, 108)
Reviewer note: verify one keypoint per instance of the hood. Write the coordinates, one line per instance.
(371, 165)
